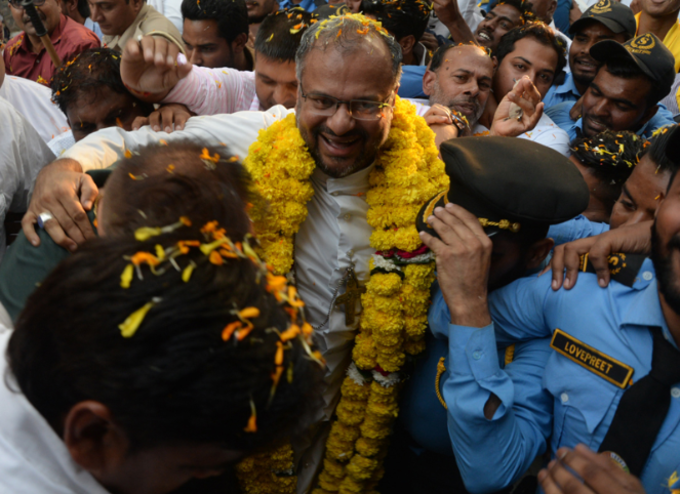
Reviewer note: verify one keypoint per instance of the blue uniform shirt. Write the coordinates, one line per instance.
(308, 5)
(576, 228)
(411, 82)
(614, 321)
(516, 435)
(560, 115)
(564, 92)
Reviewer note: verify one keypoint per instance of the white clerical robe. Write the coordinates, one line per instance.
(33, 458)
(334, 235)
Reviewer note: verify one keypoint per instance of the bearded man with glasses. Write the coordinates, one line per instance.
(25, 55)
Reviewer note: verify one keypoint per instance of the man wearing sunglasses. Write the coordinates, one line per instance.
(25, 55)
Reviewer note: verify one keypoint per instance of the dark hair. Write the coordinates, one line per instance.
(172, 181)
(627, 69)
(346, 33)
(181, 375)
(279, 35)
(657, 151)
(542, 33)
(524, 8)
(610, 155)
(83, 8)
(231, 15)
(90, 72)
(440, 53)
(400, 17)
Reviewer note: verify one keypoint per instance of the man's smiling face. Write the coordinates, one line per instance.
(498, 21)
(339, 143)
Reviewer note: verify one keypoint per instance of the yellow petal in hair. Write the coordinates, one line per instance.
(126, 277)
(134, 320)
(186, 273)
(249, 312)
(146, 232)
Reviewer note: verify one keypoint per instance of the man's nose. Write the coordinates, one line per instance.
(195, 57)
(341, 121)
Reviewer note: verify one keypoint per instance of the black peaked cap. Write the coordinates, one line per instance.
(507, 179)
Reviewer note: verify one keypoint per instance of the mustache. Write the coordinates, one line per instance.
(598, 120)
(322, 129)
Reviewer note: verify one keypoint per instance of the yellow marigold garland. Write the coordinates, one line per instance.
(407, 173)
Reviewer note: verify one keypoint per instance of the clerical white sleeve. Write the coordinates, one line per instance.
(236, 131)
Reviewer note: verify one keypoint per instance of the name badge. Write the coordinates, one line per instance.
(595, 361)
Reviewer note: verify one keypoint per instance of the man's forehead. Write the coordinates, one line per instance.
(535, 52)
(505, 10)
(202, 31)
(468, 57)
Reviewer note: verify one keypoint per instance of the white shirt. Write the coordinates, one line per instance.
(34, 102)
(334, 234)
(33, 459)
(207, 91)
(172, 9)
(22, 155)
(61, 143)
(545, 132)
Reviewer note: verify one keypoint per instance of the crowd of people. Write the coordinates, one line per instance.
(368, 246)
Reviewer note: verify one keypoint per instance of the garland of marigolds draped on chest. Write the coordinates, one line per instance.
(393, 321)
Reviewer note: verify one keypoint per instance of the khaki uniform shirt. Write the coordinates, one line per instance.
(148, 19)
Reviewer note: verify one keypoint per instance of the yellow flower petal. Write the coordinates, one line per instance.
(126, 277)
(186, 273)
(129, 327)
(146, 232)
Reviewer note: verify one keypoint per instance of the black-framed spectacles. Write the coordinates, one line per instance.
(359, 109)
(17, 3)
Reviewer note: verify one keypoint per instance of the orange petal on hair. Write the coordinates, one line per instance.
(249, 312)
(242, 333)
(278, 359)
(144, 257)
(252, 424)
(289, 334)
(307, 329)
(293, 298)
(128, 153)
(229, 329)
(185, 221)
(216, 258)
(227, 254)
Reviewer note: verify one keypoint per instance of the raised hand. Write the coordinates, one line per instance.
(150, 67)
(463, 253)
(528, 99)
(633, 239)
(167, 118)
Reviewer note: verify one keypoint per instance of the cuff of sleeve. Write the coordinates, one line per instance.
(473, 351)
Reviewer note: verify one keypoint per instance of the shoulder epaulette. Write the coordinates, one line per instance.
(622, 267)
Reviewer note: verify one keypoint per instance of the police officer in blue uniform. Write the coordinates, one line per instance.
(614, 367)
(516, 189)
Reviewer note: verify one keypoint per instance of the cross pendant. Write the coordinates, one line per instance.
(351, 296)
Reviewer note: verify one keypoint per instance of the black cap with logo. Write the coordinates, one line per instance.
(649, 54)
(613, 14)
(508, 183)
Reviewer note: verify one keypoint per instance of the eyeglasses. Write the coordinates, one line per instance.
(17, 3)
(359, 109)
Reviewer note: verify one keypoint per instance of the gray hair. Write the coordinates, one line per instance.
(345, 32)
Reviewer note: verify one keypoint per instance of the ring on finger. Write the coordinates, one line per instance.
(43, 218)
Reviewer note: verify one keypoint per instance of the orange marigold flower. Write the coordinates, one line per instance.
(144, 257)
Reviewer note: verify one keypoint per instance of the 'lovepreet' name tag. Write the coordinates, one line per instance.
(595, 361)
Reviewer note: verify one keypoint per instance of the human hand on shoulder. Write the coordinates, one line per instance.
(150, 67)
(509, 122)
(64, 192)
(598, 473)
(631, 239)
(445, 125)
(167, 118)
(463, 253)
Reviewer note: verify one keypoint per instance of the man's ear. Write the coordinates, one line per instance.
(239, 42)
(94, 441)
(429, 80)
(137, 5)
(551, 9)
(538, 252)
(407, 43)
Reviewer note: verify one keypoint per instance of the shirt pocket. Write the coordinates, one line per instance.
(583, 401)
